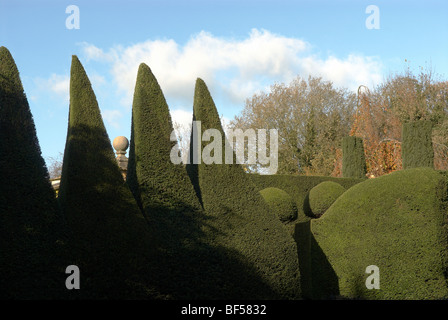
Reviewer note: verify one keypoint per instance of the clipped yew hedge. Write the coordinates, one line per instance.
(417, 149)
(298, 187)
(396, 222)
(154, 179)
(322, 196)
(109, 239)
(188, 262)
(30, 224)
(353, 158)
(239, 221)
(281, 203)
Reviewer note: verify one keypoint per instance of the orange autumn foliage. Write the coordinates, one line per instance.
(381, 133)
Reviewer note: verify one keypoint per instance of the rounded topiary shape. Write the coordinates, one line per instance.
(396, 220)
(281, 203)
(323, 195)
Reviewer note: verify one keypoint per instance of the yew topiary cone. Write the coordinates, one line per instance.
(243, 222)
(110, 240)
(28, 208)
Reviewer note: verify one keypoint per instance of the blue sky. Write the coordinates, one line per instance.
(237, 47)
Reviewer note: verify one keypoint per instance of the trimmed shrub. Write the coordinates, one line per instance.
(396, 222)
(298, 187)
(353, 158)
(280, 203)
(186, 263)
(322, 196)
(417, 149)
(109, 238)
(154, 180)
(29, 218)
(239, 220)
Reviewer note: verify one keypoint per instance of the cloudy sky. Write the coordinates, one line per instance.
(238, 48)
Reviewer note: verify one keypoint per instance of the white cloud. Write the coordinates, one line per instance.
(112, 117)
(57, 84)
(262, 55)
(181, 117)
(351, 72)
(234, 69)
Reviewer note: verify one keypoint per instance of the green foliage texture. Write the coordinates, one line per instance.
(323, 195)
(108, 235)
(188, 263)
(29, 218)
(298, 187)
(281, 203)
(417, 149)
(397, 222)
(353, 157)
(242, 221)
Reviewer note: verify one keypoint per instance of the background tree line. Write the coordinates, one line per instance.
(312, 115)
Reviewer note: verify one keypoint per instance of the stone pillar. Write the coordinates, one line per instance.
(121, 144)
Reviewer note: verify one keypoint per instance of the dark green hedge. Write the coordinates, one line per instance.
(281, 203)
(416, 148)
(353, 158)
(155, 181)
(323, 195)
(29, 218)
(240, 222)
(188, 263)
(396, 222)
(108, 236)
(299, 187)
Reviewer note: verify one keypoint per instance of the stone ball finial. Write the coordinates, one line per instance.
(120, 143)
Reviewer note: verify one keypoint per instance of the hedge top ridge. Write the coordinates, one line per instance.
(102, 216)
(20, 146)
(398, 221)
(237, 211)
(88, 146)
(21, 165)
(162, 183)
(28, 208)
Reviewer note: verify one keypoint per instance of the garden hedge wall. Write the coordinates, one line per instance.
(205, 231)
(322, 196)
(239, 220)
(281, 203)
(397, 222)
(188, 263)
(299, 187)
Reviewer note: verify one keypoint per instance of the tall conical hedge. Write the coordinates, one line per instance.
(166, 197)
(417, 149)
(353, 158)
(28, 208)
(188, 263)
(109, 237)
(153, 178)
(241, 220)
